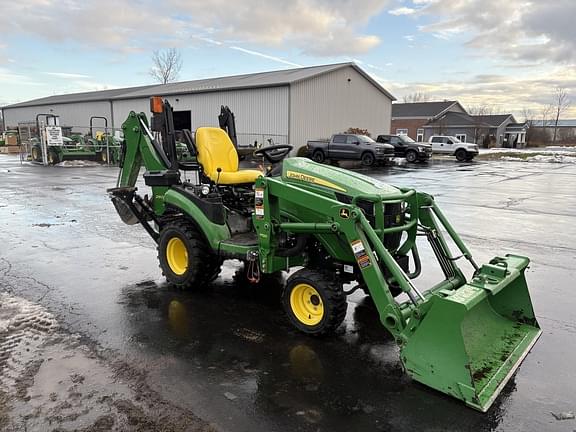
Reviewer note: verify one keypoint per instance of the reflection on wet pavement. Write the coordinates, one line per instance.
(227, 353)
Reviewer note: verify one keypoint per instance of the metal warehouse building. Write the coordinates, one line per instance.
(290, 106)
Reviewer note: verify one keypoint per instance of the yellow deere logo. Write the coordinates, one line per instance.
(311, 179)
(344, 213)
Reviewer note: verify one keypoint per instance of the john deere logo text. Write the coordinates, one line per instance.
(312, 179)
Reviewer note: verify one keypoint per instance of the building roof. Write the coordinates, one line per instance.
(457, 119)
(421, 109)
(495, 120)
(236, 82)
(512, 126)
(550, 123)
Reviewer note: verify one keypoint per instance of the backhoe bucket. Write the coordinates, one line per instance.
(471, 340)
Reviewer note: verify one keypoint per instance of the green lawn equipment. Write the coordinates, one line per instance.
(76, 147)
(463, 338)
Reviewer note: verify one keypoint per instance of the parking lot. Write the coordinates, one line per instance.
(149, 357)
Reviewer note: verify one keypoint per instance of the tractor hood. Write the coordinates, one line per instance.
(329, 180)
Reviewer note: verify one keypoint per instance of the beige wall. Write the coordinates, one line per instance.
(333, 102)
(257, 111)
(73, 114)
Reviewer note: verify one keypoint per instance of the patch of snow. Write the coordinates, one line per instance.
(77, 163)
(544, 158)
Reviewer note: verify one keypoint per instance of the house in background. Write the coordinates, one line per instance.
(410, 118)
(504, 131)
(500, 130)
(463, 126)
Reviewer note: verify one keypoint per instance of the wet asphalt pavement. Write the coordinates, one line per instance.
(227, 354)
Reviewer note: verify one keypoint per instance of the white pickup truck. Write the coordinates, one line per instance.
(450, 145)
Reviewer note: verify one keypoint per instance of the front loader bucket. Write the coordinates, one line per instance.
(471, 340)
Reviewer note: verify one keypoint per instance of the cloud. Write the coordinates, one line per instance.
(402, 11)
(9, 77)
(67, 75)
(508, 93)
(315, 27)
(266, 56)
(109, 24)
(521, 30)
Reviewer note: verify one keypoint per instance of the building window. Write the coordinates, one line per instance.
(401, 131)
(461, 137)
(420, 135)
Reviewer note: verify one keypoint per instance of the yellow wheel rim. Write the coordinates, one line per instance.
(306, 304)
(177, 256)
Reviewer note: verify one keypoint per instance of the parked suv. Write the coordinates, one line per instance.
(446, 144)
(350, 147)
(406, 147)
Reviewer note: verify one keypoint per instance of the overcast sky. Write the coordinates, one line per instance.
(504, 53)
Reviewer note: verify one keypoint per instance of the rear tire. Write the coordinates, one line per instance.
(461, 155)
(368, 159)
(35, 153)
(185, 257)
(314, 302)
(53, 158)
(318, 156)
(411, 156)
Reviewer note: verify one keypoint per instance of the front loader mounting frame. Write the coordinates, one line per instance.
(462, 338)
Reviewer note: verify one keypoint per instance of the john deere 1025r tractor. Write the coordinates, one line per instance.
(462, 337)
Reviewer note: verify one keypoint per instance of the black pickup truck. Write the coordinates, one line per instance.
(406, 147)
(350, 147)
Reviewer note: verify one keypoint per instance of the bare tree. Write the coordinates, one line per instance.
(358, 131)
(528, 116)
(166, 65)
(560, 104)
(416, 97)
(481, 130)
(484, 110)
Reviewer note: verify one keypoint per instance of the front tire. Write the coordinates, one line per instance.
(411, 156)
(314, 302)
(368, 159)
(185, 257)
(461, 155)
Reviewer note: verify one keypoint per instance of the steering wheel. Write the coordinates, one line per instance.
(275, 153)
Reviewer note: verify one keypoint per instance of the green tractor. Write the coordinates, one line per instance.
(328, 227)
(100, 147)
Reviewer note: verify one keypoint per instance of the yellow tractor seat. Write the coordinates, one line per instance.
(215, 150)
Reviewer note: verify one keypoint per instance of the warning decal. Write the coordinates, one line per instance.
(362, 257)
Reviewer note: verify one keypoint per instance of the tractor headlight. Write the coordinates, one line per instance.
(205, 190)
